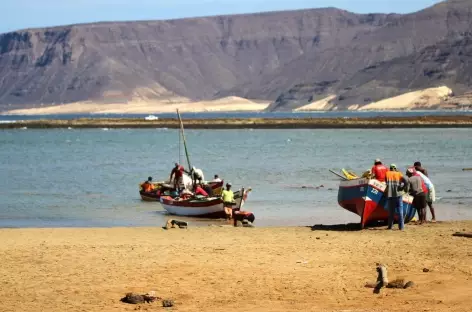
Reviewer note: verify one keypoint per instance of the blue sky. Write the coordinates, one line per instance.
(19, 14)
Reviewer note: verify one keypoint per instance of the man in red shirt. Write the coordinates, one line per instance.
(200, 191)
(177, 173)
(379, 170)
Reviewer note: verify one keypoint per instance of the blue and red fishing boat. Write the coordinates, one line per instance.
(365, 197)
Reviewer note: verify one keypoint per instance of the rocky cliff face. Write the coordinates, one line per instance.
(292, 57)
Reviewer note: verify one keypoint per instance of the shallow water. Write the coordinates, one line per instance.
(90, 177)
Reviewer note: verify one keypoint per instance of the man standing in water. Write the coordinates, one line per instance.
(379, 170)
(415, 185)
(394, 191)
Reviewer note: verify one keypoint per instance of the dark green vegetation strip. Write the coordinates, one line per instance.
(254, 123)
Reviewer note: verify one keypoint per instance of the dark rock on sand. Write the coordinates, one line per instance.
(133, 298)
(167, 303)
(426, 270)
(409, 285)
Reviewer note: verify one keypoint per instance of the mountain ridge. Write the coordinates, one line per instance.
(262, 56)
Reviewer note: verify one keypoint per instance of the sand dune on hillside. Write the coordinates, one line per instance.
(320, 105)
(226, 104)
(426, 98)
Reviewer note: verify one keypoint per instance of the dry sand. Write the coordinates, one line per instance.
(234, 269)
(425, 99)
(147, 107)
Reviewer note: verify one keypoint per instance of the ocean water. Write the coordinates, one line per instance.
(320, 114)
(90, 177)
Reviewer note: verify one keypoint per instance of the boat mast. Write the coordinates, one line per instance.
(183, 138)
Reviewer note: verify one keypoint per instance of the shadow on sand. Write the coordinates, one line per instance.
(349, 227)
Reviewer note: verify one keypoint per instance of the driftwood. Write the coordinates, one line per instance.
(172, 223)
(462, 234)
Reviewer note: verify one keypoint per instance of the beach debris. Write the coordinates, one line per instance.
(449, 191)
(467, 169)
(167, 303)
(171, 223)
(462, 234)
(133, 298)
(426, 270)
(398, 283)
(382, 279)
(302, 262)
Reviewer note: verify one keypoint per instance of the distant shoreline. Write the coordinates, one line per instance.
(252, 123)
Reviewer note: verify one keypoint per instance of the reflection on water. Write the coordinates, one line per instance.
(90, 177)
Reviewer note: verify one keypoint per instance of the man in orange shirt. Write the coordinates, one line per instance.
(147, 186)
(379, 170)
(394, 193)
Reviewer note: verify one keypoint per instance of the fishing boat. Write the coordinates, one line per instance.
(161, 187)
(200, 206)
(207, 207)
(365, 197)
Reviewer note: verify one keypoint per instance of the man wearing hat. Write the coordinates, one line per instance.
(228, 200)
(379, 170)
(394, 193)
(416, 189)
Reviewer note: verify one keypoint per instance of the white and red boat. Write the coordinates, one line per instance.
(208, 207)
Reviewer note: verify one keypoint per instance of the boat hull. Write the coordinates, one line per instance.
(206, 208)
(365, 197)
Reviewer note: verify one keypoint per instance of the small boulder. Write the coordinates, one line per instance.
(409, 285)
(133, 298)
(167, 303)
(426, 270)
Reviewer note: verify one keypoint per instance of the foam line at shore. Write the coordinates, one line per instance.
(252, 123)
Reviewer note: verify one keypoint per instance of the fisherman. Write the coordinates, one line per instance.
(394, 192)
(415, 186)
(216, 178)
(430, 195)
(420, 168)
(200, 191)
(379, 170)
(228, 200)
(197, 175)
(147, 186)
(177, 172)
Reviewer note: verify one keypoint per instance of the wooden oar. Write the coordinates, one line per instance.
(337, 174)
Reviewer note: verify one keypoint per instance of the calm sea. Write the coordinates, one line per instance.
(321, 114)
(51, 178)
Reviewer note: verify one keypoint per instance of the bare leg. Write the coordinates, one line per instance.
(433, 214)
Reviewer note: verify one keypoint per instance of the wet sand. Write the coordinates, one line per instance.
(235, 269)
(253, 123)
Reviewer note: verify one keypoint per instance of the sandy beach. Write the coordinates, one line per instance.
(235, 269)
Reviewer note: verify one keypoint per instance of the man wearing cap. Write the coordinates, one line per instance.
(394, 193)
(228, 200)
(379, 170)
(415, 186)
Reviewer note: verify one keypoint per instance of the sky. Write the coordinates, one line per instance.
(20, 14)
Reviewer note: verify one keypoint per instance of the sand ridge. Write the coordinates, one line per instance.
(226, 104)
(234, 269)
